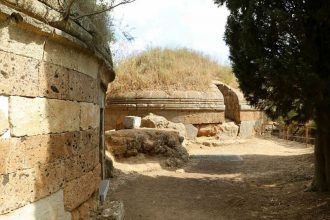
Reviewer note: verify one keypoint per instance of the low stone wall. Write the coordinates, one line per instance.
(51, 92)
(188, 107)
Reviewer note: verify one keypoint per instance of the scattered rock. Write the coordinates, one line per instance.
(224, 131)
(228, 130)
(191, 131)
(155, 121)
(131, 142)
(247, 129)
(113, 210)
(131, 122)
(208, 130)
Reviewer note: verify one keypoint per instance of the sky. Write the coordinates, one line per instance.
(195, 24)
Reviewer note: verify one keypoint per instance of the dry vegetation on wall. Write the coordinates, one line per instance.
(169, 69)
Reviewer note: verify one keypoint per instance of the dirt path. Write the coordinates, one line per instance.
(268, 183)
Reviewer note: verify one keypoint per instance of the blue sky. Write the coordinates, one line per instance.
(196, 24)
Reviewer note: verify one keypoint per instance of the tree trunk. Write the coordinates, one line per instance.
(321, 181)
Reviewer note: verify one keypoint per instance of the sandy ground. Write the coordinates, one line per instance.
(269, 183)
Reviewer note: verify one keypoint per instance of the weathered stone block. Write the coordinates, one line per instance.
(32, 116)
(25, 186)
(90, 116)
(44, 149)
(21, 42)
(81, 189)
(81, 164)
(10, 159)
(18, 75)
(89, 139)
(82, 87)
(132, 122)
(16, 190)
(71, 58)
(27, 152)
(48, 178)
(51, 207)
(130, 142)
(53, 81)
(247, 129)
(191, 131)
(4, 124)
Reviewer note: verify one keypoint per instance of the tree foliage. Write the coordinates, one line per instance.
(280, 55)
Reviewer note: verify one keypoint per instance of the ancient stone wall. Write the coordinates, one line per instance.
(248, 118)
(188, 107)
(231, 102)
(51, 91)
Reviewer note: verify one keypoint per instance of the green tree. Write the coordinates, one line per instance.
(280, 55)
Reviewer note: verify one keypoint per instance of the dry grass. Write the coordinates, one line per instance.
(169, 69)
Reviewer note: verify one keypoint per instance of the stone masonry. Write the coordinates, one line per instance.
(51, 90)
(188, 107)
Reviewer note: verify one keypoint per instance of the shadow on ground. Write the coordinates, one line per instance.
(259, 187)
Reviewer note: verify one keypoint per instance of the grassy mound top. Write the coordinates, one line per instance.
(169, 69)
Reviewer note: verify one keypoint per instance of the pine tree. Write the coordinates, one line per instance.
(280, 52)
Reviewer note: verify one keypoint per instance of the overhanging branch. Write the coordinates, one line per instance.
(109, 8)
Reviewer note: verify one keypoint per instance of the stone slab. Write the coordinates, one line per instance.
(247, 129)
(131, 122)
(191, 131)
(33, 116)
(50, 207)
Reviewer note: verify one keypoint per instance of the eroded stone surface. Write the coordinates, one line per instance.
(21, 42)
(18, 74)
(25, 186)
(90, 116)
(33, 116)
(51, 207)
(27, 152)
(156, 121)
(82, 87)
(53, 81)
(81, 164)
(71, 58)
(81, 189)
(149, 141)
